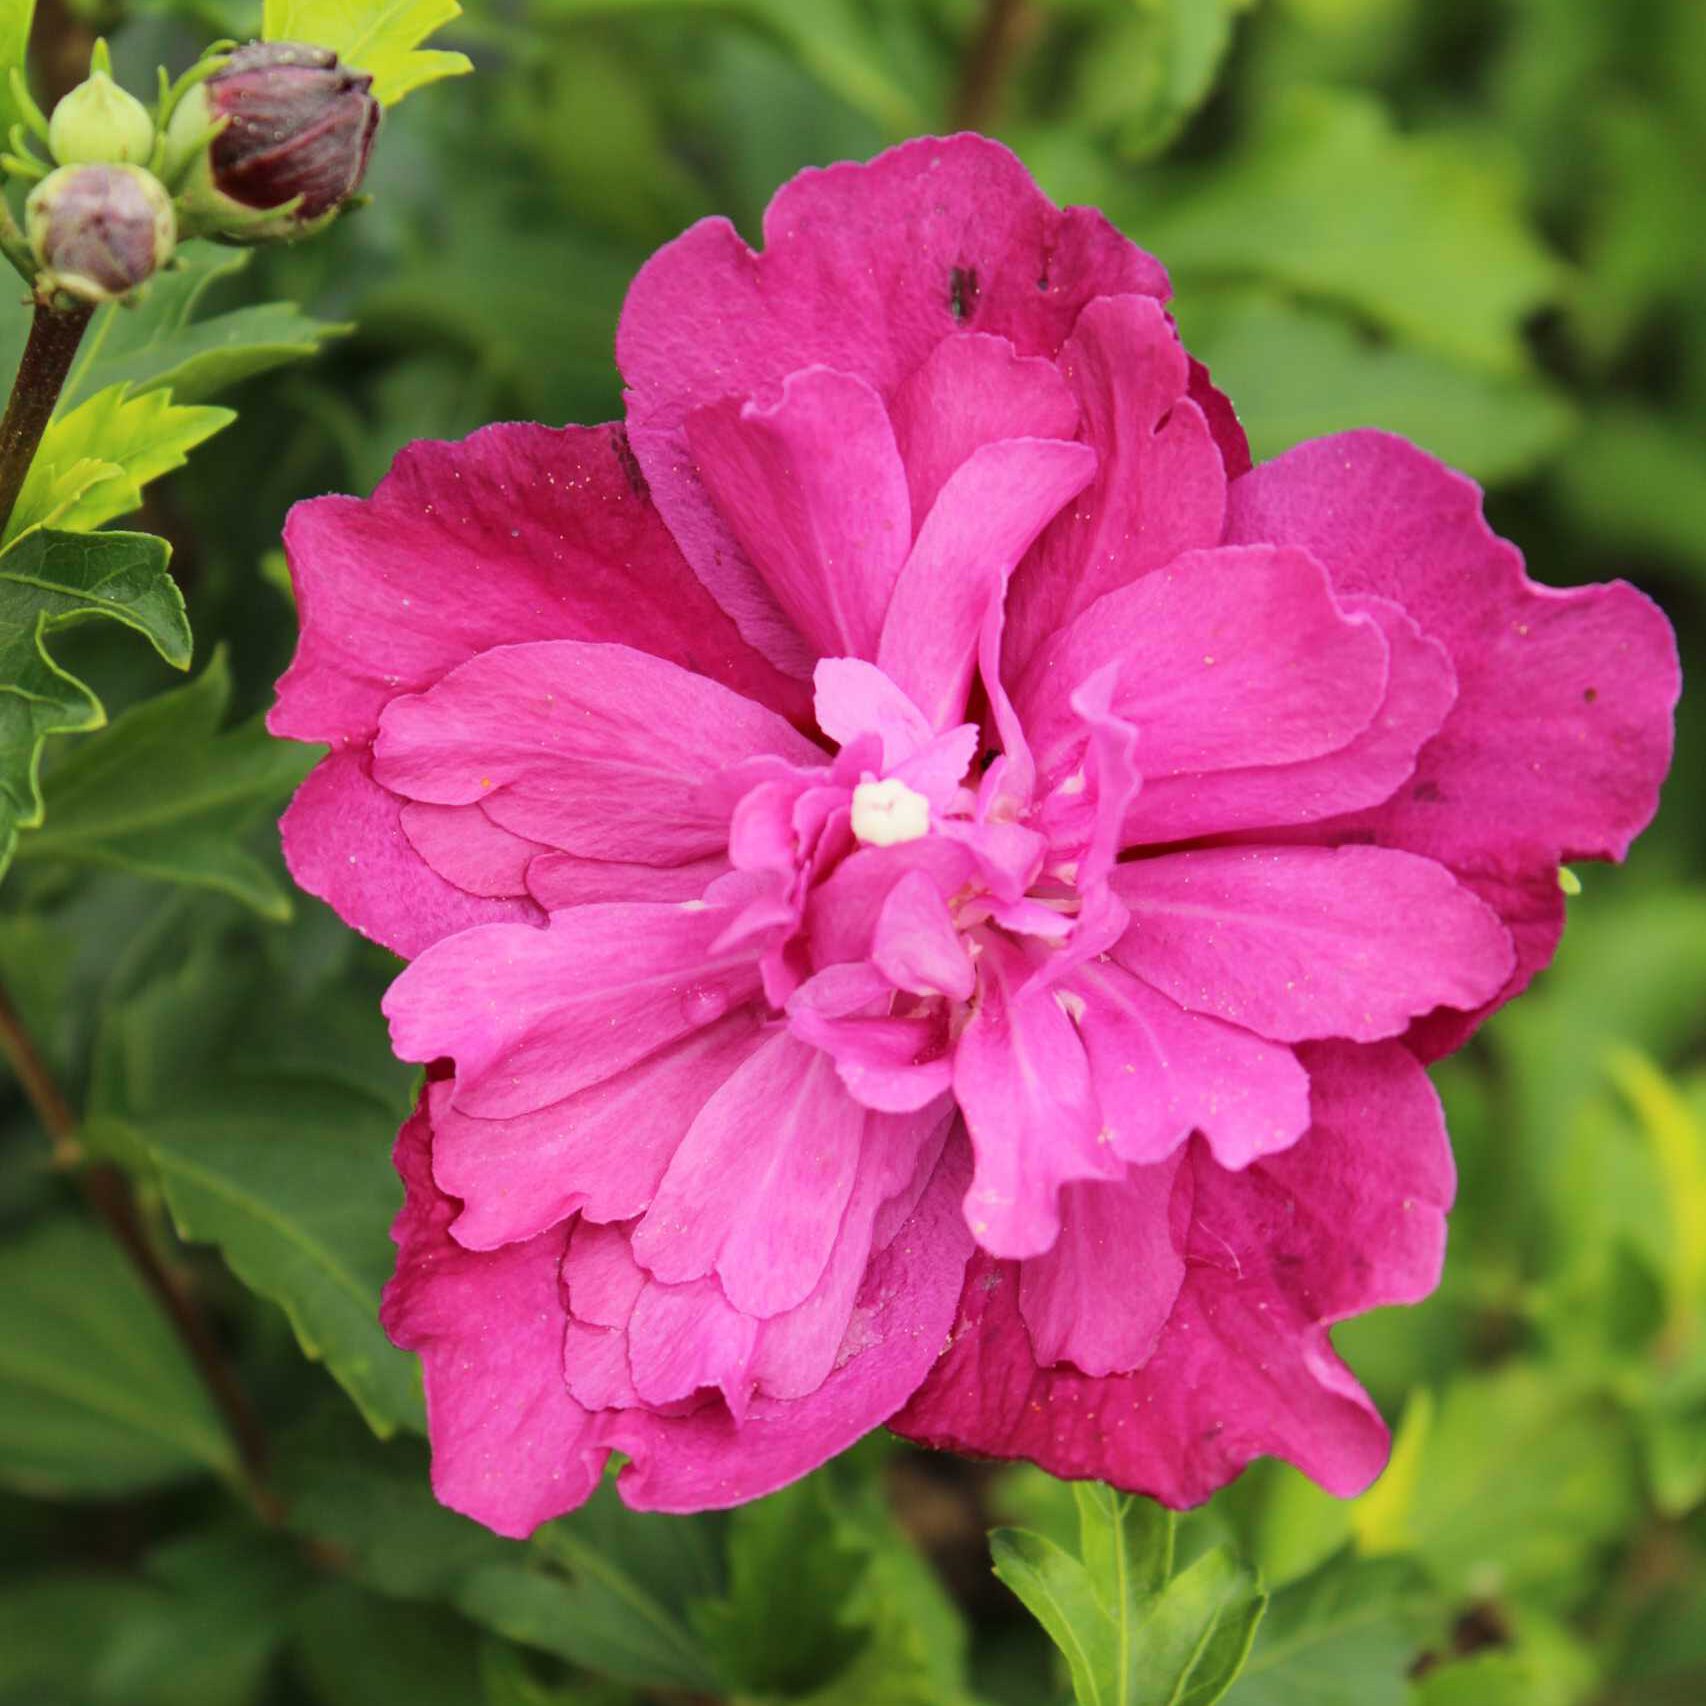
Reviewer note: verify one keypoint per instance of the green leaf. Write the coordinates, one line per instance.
(1424, 235)
(1345, 1635)
(605, 1588)
(56, 1631)
(355, 1649)
(93, 462)
(158, 342)
(47, 580)
(97, 1396)
(292, 1179)
(164, 794)
(600, 1619)
(1299, 372)
(1524, 1519)
(1133, 1633)
(382, 37)
(1677, 1137)
(370, 1502)
(229, 1592)
(779, 1628)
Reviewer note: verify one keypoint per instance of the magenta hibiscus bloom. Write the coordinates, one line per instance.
(929, 880)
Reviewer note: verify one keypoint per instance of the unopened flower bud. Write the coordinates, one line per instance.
(100, 231)
(100, 123)
(293, 127)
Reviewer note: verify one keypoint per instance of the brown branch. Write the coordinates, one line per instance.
(1006, 24)
(55, 334)
(107, 1192)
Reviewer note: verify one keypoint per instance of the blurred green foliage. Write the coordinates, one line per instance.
(1474, 221)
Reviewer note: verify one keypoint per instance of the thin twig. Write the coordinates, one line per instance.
(55, 334)
(108, 1194)
(1005, 25)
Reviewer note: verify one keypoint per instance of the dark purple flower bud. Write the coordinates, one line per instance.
(99, 231)
(293, 125)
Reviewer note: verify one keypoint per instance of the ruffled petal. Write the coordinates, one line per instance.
(600, 1152)
(895, 1331)
(531, 1016)
(512, 1444)
(1227, 659)
(1160, 485)
(1421, 687)
(866, 268)
(1023, 1084)
(466, 848)
(757, 1189)
(1161, 1073)
(1101, 1296)
(597, 750)
(813, 494)
(1296, 942)
(1562, 728)
(973, 390)
(517, 533)
(344, 841)
(984, 520)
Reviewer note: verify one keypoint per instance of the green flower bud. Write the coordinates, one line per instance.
(99, 231)
(99, 123)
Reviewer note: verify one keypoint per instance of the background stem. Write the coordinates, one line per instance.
(107, 1192)
(55, 334)
(1005, 24)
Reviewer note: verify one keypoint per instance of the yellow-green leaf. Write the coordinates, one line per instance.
(94, 461)
(381, 37)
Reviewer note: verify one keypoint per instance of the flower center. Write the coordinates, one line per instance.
(888, 812)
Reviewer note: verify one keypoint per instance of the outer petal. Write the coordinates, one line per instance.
(1561, 732)
(1160, 486)
(1350, 1218)
(510, 1448)
(518, 533)
(344, 841)
(865, 268)
(598, 750)
(532, 1016)
(1302, 942)
(1229, 435)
